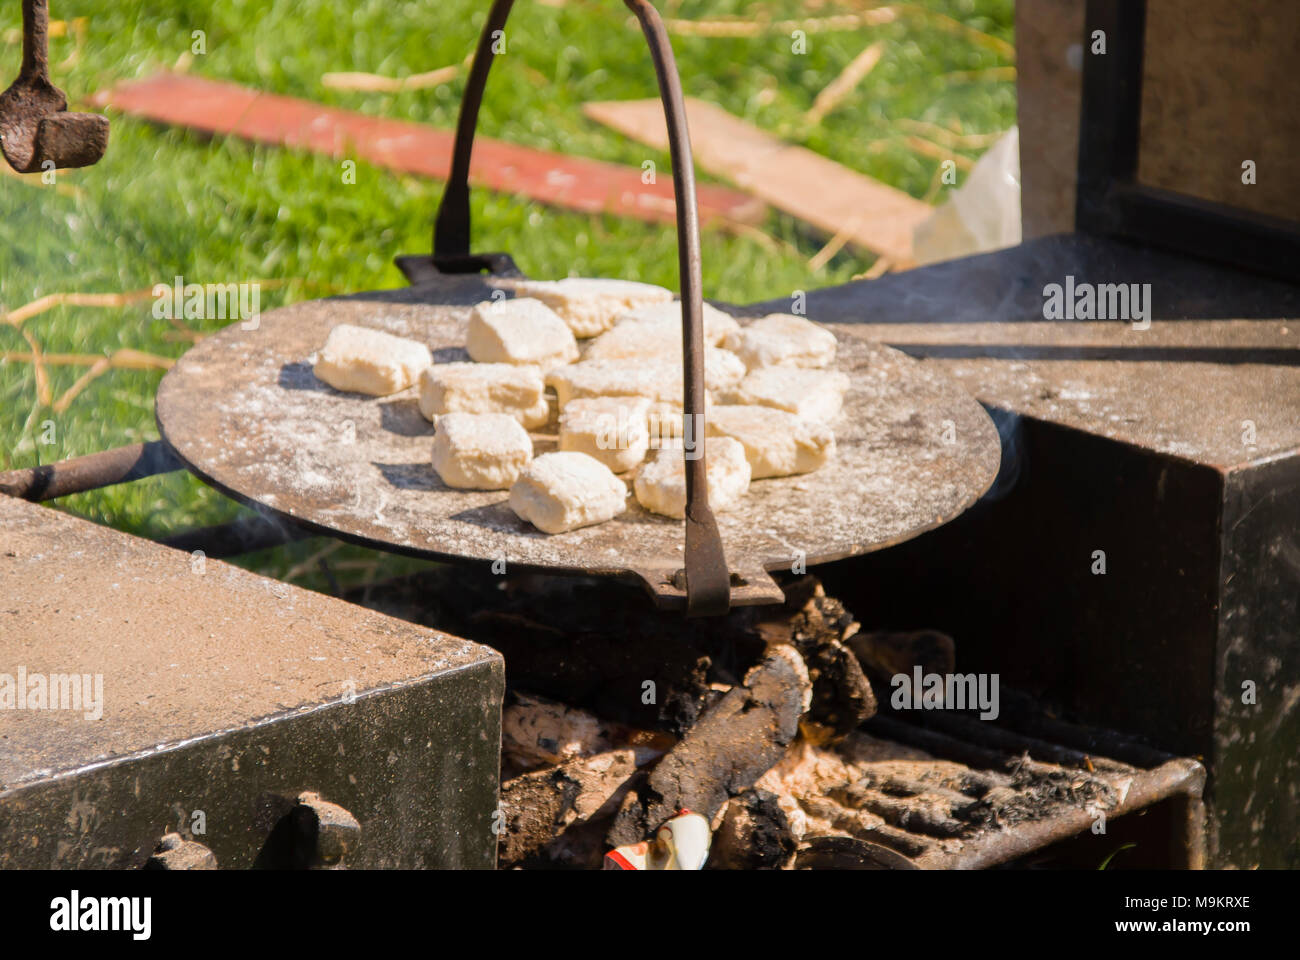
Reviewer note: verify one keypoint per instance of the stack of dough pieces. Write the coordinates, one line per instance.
(656, 330)
(480, 451)
(656, 378)
(769, 398)
(777, 443)
(613, 430)
(815, 395)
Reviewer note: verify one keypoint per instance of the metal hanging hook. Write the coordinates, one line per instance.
(707, 576)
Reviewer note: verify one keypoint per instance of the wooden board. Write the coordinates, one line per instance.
(793, 179)
(574, 183)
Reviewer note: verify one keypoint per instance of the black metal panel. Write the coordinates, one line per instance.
(1007, 287)
(1012, 581)
(1257, 745)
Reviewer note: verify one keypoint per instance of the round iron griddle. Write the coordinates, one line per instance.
(244, 412)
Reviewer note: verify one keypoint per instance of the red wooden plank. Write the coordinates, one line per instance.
(574, 183)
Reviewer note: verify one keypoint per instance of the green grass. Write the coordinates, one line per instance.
(165, 202)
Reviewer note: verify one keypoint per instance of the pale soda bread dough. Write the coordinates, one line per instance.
(660, 484)
(565, 490)
(614, 430)
(777, 443)
(782, 339)
(480, 451)
(521, 331)
(656, 329)
(815, 395)
(589, 306)
(484, 388)
(656, 379)
(361, 360)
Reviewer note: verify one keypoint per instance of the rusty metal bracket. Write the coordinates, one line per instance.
(418, 268)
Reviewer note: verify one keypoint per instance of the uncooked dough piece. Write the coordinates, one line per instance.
(661, 482)
(722, 368)
(616, 378)
(654, 330)
(480, 451)
(589, 306)
(782, 339)
(777, 443)
(815, 395)
(614, 430)
(484, 388)
(666, 421)
(519, 331)
(659, 379)
(362, 360)
(565, 490)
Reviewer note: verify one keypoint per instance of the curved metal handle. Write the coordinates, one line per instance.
(708, 580)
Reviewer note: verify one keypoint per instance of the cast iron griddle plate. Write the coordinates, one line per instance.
(243, 410)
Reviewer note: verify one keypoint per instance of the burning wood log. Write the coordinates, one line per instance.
(818, 627)
(738, 690)
(535, 731)
(538, 732)
(736, 742)
(885, 655)
(541, 805)
(810, 779)
(755, 834)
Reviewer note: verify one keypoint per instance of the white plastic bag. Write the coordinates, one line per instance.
(982, 214)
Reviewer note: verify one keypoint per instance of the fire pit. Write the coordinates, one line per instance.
(771, 712)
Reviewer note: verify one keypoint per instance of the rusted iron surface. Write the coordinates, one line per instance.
(95, 470)
(244, 411)
(36, 131)
(221, 690)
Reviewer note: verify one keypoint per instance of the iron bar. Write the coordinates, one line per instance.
(79, 474)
